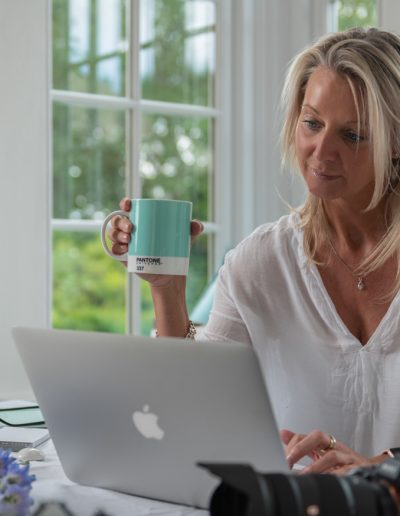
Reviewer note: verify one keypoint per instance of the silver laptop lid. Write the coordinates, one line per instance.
(136, 414)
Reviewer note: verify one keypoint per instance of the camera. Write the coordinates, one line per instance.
(363, 492)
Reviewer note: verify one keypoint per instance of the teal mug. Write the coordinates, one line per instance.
(160, 240)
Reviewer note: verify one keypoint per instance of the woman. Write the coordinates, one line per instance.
(316, 293)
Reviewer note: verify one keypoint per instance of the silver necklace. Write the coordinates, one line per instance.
(358, 277)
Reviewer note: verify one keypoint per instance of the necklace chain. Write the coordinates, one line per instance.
(359, 277)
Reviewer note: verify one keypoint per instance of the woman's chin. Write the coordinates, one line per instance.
(325, 194)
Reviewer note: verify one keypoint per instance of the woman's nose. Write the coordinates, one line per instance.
(325, 146)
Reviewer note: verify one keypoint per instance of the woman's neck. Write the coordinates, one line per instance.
(353, 229)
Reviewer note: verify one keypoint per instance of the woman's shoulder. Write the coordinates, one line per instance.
(282, 232)
(270, 241)
(285, 227)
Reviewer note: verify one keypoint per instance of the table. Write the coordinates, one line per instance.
(52, 485)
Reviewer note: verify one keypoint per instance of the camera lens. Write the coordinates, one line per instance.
(299, 495)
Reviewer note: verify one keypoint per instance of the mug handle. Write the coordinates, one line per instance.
(119, 257)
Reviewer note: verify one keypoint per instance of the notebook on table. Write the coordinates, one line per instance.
(136, 414)
(16, 438)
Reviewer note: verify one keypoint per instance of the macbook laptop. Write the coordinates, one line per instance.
(136, 414)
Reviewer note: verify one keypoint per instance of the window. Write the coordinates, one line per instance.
(135, 93)
(352, 13)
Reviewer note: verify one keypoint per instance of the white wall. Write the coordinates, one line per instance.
(389, 14)
(23, 180)
(265, 37)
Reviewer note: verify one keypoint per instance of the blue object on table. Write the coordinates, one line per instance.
(202, 309)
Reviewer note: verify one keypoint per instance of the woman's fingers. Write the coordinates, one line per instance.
(328, 455)
(340, 462)
(120, 233)
(196, 228)
(121, 223)
(290, 439)
(117, 236)
(119, 248)
(125, 204)
(302, 445)
(286, 436)
(312, 445)
(330, 461)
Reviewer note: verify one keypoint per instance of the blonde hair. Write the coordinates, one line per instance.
(369, 59)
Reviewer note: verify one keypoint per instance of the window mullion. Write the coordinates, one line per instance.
(222, 191)
(133, 184)
(91, 100)
(171, 108)
(94, 100)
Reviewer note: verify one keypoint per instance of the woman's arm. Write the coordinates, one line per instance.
(168, 291)
(170, 308)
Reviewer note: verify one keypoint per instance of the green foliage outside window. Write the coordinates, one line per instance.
(79, 269)
(89, 288)
(356, 13)
(177, 29)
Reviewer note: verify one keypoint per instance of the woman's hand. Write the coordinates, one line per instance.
(327, 454)
(120, 235)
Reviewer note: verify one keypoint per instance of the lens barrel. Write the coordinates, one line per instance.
(245, 492)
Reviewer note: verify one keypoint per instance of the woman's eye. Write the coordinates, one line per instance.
(311, 124)
(354, 137)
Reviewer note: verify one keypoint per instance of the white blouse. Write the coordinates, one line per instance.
(318, 374)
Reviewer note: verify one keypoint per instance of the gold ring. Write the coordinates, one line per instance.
(332, 442)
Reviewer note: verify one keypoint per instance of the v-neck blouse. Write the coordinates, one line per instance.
(317, 372)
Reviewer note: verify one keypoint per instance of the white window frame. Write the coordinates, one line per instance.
(136, 107)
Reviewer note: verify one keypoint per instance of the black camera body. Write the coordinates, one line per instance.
(246, 492)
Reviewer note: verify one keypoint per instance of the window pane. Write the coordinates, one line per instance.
(88, 286)
(356, 13)
(177, 50)
(176, 64)
(176, 160)
(90, 45)
(89, 161)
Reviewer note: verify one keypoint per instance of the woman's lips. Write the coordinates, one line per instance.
(326, 176)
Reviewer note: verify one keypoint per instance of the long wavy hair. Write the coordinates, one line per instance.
(369, 59)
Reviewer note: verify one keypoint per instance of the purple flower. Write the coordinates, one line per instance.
(15, 485)
(15, 500)
(18, 475)
(5, 460)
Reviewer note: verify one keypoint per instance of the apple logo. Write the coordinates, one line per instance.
(147, 424)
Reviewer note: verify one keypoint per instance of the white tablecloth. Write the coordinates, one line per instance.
(53, 485)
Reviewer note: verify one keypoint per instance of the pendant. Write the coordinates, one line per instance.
(360, 283)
